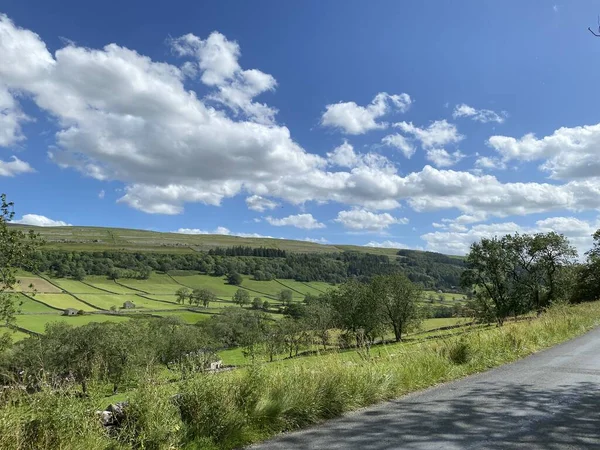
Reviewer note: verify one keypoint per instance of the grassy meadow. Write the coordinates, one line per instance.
(155, 296)
(233, 409)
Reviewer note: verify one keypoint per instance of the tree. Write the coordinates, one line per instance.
(286, 296)
(203, 296)
(517, 274)
(588, 275)
(266, 305)
(79, 274)
(241, 297)
(234, 278)
(398, 300)
(256, 303)
(17, 249)
(357, 310)
(320, 317)
(182, 294)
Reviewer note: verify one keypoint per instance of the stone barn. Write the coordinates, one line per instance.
(128, 305)
(70, 312)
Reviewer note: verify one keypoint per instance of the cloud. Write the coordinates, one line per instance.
(401, 143)
(220, 231)
(14, 167)
(436, 135)
(387, 244)
(40, 221)
(360, 219)
(490, 163)
(101, 194)
(457, 242)
(219, 67)
(351, 118)
(115, 98)
(122, 116)
(479, 115)
(260, 204)
(316, 241)
(568, 153)
(343, 156)
(11, 119)
(441, 158)
(305, 221)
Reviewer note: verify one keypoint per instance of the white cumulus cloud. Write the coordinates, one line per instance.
(305, 221)
(260, 204)
(40, 221)
(441, 158)
(14, 167)
(351, 118)
(401, 143)
(479, 115)
(363, 220)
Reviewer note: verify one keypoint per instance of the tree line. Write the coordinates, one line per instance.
(427, 269)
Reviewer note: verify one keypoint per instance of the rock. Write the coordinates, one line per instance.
(113, 416)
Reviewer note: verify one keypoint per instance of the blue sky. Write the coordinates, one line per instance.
(423, 125)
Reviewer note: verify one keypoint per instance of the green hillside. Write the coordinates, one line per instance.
(99, 238)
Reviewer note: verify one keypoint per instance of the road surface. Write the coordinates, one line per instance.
(550, 400)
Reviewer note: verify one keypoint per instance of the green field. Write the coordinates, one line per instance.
(15, 335)
(186, 316)
(75, 287)
(37, 322)
(217, 285)
(63, 301)
(105, 284)
(156, 284)
(105, 301)
(31, 306)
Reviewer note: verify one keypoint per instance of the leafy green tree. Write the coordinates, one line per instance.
(182, 295)
(357, 310)
(286, 297)
(241, 297)
(587, 276)
(234, 278)
(79, 274)
(17, 249)
(257, 303)
(266, 305)
(203, 297)
(398, 300)
(517, 273)
(320, 318)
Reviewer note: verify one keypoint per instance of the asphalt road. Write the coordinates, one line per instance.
(550, 400)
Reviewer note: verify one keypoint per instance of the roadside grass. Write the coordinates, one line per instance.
(37, 322)
(233, 409)
(239, 408)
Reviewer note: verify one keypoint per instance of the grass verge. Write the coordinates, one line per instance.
(233, 409)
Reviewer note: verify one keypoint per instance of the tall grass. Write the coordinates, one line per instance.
(232, 409)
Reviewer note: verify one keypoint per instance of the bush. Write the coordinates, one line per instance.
(152, 420)
(51, 420)
(458, 351)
